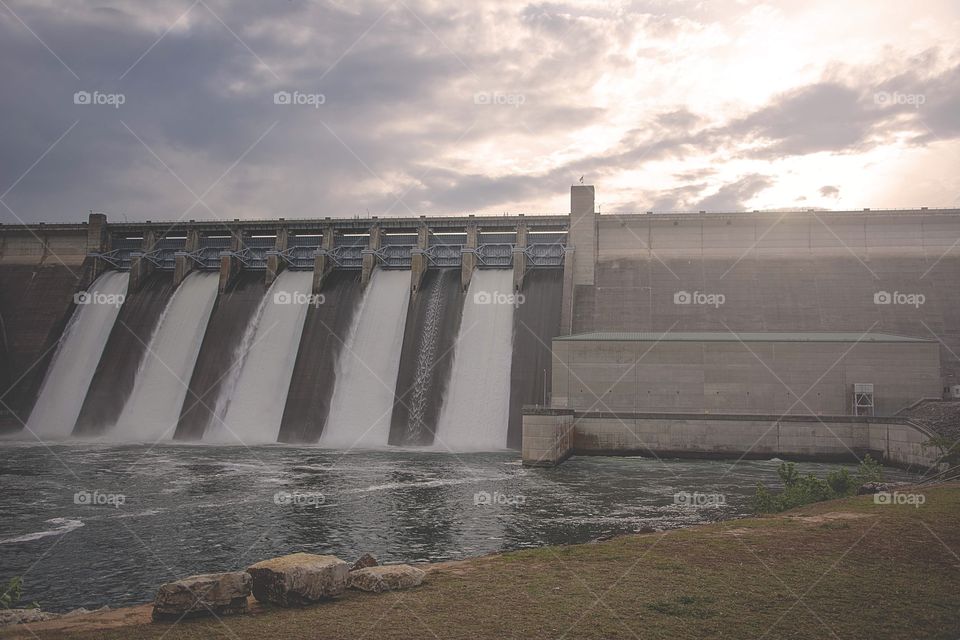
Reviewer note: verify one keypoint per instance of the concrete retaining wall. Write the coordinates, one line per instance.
(893, 441)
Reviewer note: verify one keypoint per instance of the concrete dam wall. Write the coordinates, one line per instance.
(223, 335)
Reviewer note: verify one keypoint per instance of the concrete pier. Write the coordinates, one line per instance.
(548, 436)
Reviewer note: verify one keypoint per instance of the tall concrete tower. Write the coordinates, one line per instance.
(580, 264)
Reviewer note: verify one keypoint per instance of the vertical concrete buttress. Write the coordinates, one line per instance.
(183, 265)
(370, 259)
(140, 267)
(468, 258)
(520, 256)
(276, 264)
(98, 241)
(230, 264)
(579, 267)
(418, 260)
(322, 263)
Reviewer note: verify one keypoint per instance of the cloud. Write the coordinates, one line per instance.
(734, 196)
(829, 191)
(621, 93)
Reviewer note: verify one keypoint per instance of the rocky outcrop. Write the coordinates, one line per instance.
(212, 593)
(364, 561)
(298, 579)
(23, 616)
(386, 578)
(871, 488)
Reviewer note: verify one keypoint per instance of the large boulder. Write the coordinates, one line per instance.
(364, 561)
(386, 578)
(298, 579)
(212, 593)
(871, 488)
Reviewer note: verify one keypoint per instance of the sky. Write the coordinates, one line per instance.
(208, 109)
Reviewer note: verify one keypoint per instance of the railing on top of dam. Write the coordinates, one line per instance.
(494, 246)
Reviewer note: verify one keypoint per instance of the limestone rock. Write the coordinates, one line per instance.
(298, 579)
(218, 593)
(23, 616)
(366, 560)
(872, 487)
(386, 578)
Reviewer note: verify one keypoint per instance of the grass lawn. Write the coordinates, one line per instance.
(842, 569)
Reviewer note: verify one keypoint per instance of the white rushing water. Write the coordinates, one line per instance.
(368, 366)
(476, 409)
(252, 399)
(78, 353)
(153, 408)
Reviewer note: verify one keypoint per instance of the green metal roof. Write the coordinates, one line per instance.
(726, 336)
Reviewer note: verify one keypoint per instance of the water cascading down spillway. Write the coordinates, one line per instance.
(315, 375)
(116, 373)
(536, 322)
(153, 408)
(368, 364)
(219, 353)
(476, 409)
(432, 323)
(78, 353)
(251, 400)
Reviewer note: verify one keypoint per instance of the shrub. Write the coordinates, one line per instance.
(800, 490)
(11, 594)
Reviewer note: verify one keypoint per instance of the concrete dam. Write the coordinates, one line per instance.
(342, 333)
(438, 332)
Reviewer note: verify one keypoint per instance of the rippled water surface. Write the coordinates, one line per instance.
(192, 509)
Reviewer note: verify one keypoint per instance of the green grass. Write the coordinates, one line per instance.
(892, 573)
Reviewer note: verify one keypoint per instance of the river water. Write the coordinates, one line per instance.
(94, 524)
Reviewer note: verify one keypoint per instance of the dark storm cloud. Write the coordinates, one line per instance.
(400, 83)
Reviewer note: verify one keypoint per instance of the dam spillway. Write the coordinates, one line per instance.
(256, 389)
(153, 408)
(126, 347)
(315, 371)
(430, 334)
(220, 355)
(389, 357)
(368, 366)
(78, 352)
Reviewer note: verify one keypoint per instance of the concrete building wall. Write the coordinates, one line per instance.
(778, 272)
(732, 377)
